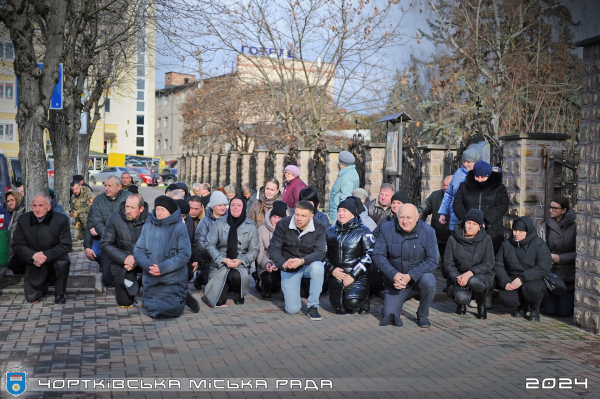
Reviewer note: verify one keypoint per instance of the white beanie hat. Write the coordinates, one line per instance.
(218, 198)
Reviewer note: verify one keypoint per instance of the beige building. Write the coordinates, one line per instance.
(9, 142)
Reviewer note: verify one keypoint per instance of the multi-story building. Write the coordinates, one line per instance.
(8, 110)
(169, 120)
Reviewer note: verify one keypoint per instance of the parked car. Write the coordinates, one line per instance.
(101, 177)
(50, 168)
(16, 165)
(146, 176)
(7, 176)
(169, 175)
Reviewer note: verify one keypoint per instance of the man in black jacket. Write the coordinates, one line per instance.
(406, 252)
(43, 240)
(122, 231)
(104, 205)
(380, 207)
(297, 248)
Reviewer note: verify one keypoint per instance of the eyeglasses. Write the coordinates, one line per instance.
(553, 208)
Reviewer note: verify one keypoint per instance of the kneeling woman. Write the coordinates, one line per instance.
(233, 245)
(521, 264)
(348, 259)
(469, 263)
(267, 272)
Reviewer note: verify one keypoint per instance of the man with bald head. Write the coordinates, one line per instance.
(42, 240)
(406, 253)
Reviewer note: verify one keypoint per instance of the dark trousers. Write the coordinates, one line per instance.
(559, 305)
(271, 281)
(442, 249)
(58, 273)
(122, 296)
(16, 265)
(394, 298)
(530, 293)
(233, 283)
(104, 262)
(475, 288)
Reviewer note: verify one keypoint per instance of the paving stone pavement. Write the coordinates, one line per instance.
(459, 356)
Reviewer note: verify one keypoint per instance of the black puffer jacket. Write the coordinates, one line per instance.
(469, 254)
(490, 197)
(120, 236)
(349, 247)
(528, 259)
(99, 213)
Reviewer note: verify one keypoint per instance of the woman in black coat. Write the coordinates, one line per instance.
(521, 264)
(483, 190)
(348, 259)
(560, 231)
(469, 263)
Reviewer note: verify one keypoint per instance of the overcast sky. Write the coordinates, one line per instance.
(587, 12)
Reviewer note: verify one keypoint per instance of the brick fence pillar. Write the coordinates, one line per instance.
(279, 168)
(304, 157)
(214, 161)
(192, 174)
(246, 169)
(233, 159)
(222, 170)
(587, 265)
(374, 168)
(206, 174)
(199, 165)
(261, 157)
(433, 167)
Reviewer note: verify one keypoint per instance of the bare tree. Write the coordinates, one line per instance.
(22, 18)
(311, 57)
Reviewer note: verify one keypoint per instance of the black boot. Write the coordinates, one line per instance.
(237, 299)
(265, 292)
(365, 308)
(461, 309)
(535, 314)
(481, 310)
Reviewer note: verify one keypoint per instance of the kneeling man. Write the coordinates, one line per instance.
(406, 252)
(297, 248)
(42, 240)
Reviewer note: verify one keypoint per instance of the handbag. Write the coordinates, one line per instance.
(554, 284)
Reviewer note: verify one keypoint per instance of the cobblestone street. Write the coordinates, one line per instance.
(457, 356)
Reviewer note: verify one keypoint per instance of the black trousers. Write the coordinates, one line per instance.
(122, 296)
(17, 265)
(271, 281)
(58, 273)
(475, 288)
(442, 250)
(530, 293)
(233, 283)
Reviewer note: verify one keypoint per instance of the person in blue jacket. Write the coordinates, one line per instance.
(347, 181)
(406, 252)
(470, 157)
(163, 251)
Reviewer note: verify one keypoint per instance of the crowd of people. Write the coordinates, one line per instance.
(220, 240)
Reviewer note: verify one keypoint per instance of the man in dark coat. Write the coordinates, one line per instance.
(120, 235)
(521, 264)
(380, 207)
(297, 248)
(431, 207)
(42, 239)
(104, 205)
(205, 194)
(483, 190)
(406, 252)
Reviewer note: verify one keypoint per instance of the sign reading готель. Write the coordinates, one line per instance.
(268, 52)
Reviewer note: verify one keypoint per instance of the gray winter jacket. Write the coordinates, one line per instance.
(205, 225)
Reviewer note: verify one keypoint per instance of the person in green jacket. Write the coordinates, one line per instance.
(347, 181)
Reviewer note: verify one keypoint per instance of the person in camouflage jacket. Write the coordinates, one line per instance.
(81, 201)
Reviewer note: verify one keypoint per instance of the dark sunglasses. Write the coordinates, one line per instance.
(553, 208)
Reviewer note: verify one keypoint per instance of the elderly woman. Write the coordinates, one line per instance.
(233, 245)
(348, 259)
(559, 231)
(266, 197)
(293, 185)
(229, 191)
(521, 264)
(267, 272)
(469, 263)
(163, 251)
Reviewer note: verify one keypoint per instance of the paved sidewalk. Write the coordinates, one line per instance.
(458, 356)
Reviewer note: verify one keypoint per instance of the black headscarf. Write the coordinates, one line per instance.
(234, 223)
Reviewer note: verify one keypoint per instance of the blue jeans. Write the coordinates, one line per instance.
(290, 285)
(107, 277)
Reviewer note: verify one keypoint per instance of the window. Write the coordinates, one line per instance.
(7, 91)
(141, 84)
(186, 80)
(166, 100)
(7, 51)
(166, 122)
(140, 106)
(166, 144)
(7, 131)
(159, 121)
(140, 119)
(158, 145)
(140, 95)
(140, 130)
(139, 141)
(107, 105)
(139, 152)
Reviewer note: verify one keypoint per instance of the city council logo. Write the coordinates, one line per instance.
(16, 380)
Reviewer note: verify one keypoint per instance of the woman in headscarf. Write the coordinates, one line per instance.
(266, 197)
(233, 245)
(293, 185)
